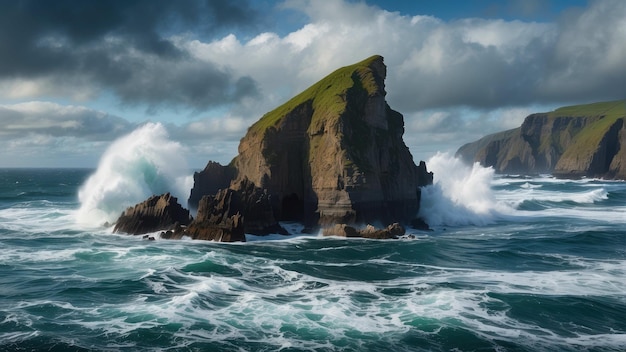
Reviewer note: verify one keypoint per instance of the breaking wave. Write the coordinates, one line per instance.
(134, 167)
(460, 194)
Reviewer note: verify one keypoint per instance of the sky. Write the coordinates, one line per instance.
(76, 75)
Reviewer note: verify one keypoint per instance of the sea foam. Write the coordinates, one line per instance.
(460, 194)
(136, 166)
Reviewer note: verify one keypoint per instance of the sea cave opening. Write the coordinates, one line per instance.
(292, 208)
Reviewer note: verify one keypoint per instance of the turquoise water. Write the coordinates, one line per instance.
(529, 264)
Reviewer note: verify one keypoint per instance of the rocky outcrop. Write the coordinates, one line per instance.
(154, 214)
(219, 218)
(394, 230)
(210, 180)
(256, 204)
(575, 141)
(333, 154)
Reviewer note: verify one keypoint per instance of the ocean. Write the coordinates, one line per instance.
(513, 263)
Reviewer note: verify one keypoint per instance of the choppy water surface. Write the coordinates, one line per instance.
(513, 264)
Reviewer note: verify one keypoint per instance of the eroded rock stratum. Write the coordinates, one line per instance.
(574, 141)
(333, 154)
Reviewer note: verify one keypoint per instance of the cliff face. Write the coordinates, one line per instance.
(575, 141)
(210, 180)
(334, 153)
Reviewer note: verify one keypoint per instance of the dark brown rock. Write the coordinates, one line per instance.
(392, 231)
(332, 154)
(340, 230)
(227, 229)
(155, 214)
(256, 204)
(210, 180)
(396, 230)
(220, 217)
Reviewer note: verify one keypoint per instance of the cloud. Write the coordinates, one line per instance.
(452, 80)
(448, 129)
(44, 134)
(587, 62)
(53, 120)
(434, 64)
(163, 54)
(51, 135)
(68, 47)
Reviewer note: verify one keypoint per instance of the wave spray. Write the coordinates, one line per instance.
(460, 195)
(136, 166)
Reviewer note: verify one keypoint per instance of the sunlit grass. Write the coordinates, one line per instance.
(327, 96)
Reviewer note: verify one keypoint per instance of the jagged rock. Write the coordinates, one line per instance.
(227, 229)
(244, 198)
(575, 141)
(155, 214)
(332, 154)
(210, 180)
(340, 230)
(256, 204)
(394, 230)
(218, 219)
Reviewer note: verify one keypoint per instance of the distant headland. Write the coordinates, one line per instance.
(569, 142)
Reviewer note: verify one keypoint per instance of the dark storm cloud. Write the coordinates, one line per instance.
(49, 119)
(187, 82)
(123, 45)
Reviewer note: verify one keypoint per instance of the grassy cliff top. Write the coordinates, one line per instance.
(327, 96)
(587, 139)
(610, 109)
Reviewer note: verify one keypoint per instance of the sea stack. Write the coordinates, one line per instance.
(333, 154)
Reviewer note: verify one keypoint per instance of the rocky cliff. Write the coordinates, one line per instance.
(210, 180)
(332, 154)
(575, 141)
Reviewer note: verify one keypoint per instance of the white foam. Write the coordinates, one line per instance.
(266, 299)
(464, 195)
(518, 196)
(50, 218)
(460, 195)
(530, 185)
(136, 166)
(17, 336)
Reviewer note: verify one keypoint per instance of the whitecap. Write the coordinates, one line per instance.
(136, 166)
(460, 195)
(528, 185)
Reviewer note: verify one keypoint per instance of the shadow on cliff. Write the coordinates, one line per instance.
(332, 155)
